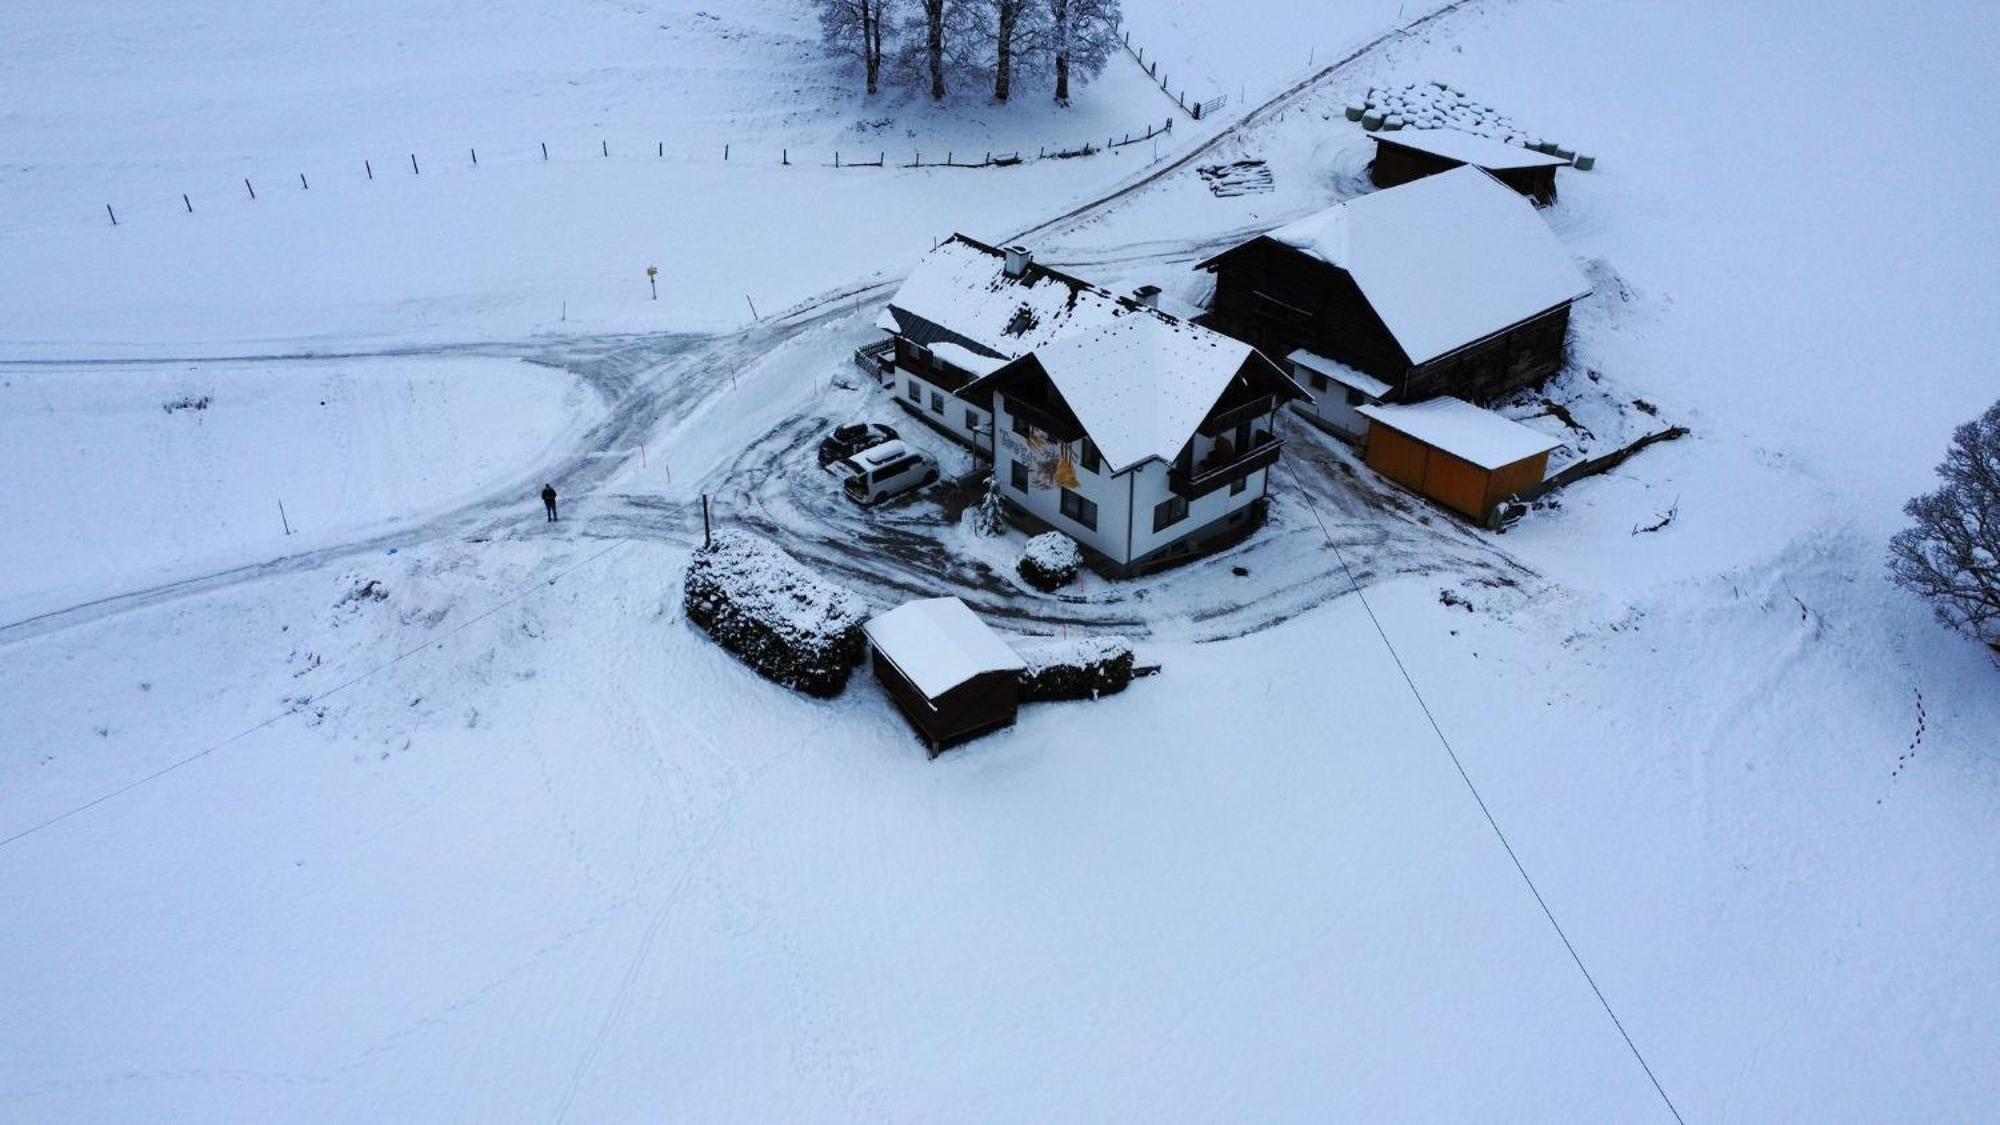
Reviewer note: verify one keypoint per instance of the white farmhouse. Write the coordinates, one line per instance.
(967, 309)
(1144, 437)
(1146, 441)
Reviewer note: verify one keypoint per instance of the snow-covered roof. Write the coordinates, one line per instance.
(1469, 148)
(963, 287)
(1340, 373)
(965, 359)
(1464, 431)
(1141, 385)
(1445, 261)
(938, 644)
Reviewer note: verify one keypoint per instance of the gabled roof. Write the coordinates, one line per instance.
(960, 293)
(1464, 431)
(1469, 148)
(1445, 261)
(1143, 384)
(938, 644)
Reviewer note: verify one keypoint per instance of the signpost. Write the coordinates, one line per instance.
(653, 279)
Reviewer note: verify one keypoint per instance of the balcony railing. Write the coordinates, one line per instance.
(1214, 473)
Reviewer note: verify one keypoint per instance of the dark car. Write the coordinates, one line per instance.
(846, 441)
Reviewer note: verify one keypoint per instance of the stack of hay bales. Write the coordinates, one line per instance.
(1436, 105)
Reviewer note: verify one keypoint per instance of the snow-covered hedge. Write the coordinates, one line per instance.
(786, 622)
(1050, 561)
(1082, 668)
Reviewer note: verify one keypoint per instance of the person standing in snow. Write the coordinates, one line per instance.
(549, 500)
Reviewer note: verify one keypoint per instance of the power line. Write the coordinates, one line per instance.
(335, 690)
(1492, 823)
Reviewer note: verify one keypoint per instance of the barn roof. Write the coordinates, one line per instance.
(960, 293)
(1445, 261)
(1469, 148)
(1464, 431)
(938, 644)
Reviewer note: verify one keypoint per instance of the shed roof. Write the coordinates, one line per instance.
(1469, 148)
(962, 287)
(1340, 373)
(1445, 261)
(938, 644)
(1464, 431)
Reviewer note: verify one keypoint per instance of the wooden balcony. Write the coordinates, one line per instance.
(1224, 420)
(1213, 474)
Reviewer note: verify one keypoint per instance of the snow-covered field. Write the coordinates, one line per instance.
(131, 474)
(482, 830)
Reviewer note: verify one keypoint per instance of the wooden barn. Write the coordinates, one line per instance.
(1447, 449)
(953, 677)
(1403, 155)
(1449, 285)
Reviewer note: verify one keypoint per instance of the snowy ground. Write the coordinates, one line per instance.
(129, 474)
(482, 830)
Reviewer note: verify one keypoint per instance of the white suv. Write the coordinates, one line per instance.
(890, 469)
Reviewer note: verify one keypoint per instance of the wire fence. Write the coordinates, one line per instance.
(1195, 109)
(419, 164)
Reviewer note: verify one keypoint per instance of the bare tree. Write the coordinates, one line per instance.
(855, 26)
(935, 12)
(1011, 41)
(1952, 554)
(1082, 35)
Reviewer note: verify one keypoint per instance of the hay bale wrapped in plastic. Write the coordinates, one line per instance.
(1076, 668)
(790, 625)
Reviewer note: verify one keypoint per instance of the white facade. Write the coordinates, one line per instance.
(1118, 511)
(1337, 394)
(955, 417)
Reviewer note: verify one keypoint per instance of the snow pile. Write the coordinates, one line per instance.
(789, 624)
(1076, 668)
(1436, 105)
(1050, 561)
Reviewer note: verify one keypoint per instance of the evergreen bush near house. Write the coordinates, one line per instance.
(1084, 668)
(990, 517)
(1050, 561)
(1952, 554)
(792, 626)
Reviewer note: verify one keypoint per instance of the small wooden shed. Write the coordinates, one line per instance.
(953, 677)
(1447, 449)
(1403, 155)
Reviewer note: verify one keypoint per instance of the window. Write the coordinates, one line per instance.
(972, 420)
(1092, 463)
(1020, 424)
(1354, 397)
(1079, 509)
(920, 357)
(1017, 475)
(914, 393)
(937, 402)
(1169, 512)
(1318, 382)
(1237, 486)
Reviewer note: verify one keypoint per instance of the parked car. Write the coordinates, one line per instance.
(846, 441)
(890, 469)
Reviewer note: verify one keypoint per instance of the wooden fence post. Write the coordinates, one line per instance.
(113, 214)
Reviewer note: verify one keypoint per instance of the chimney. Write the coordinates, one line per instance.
(1147, 295)
(1019, 258)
